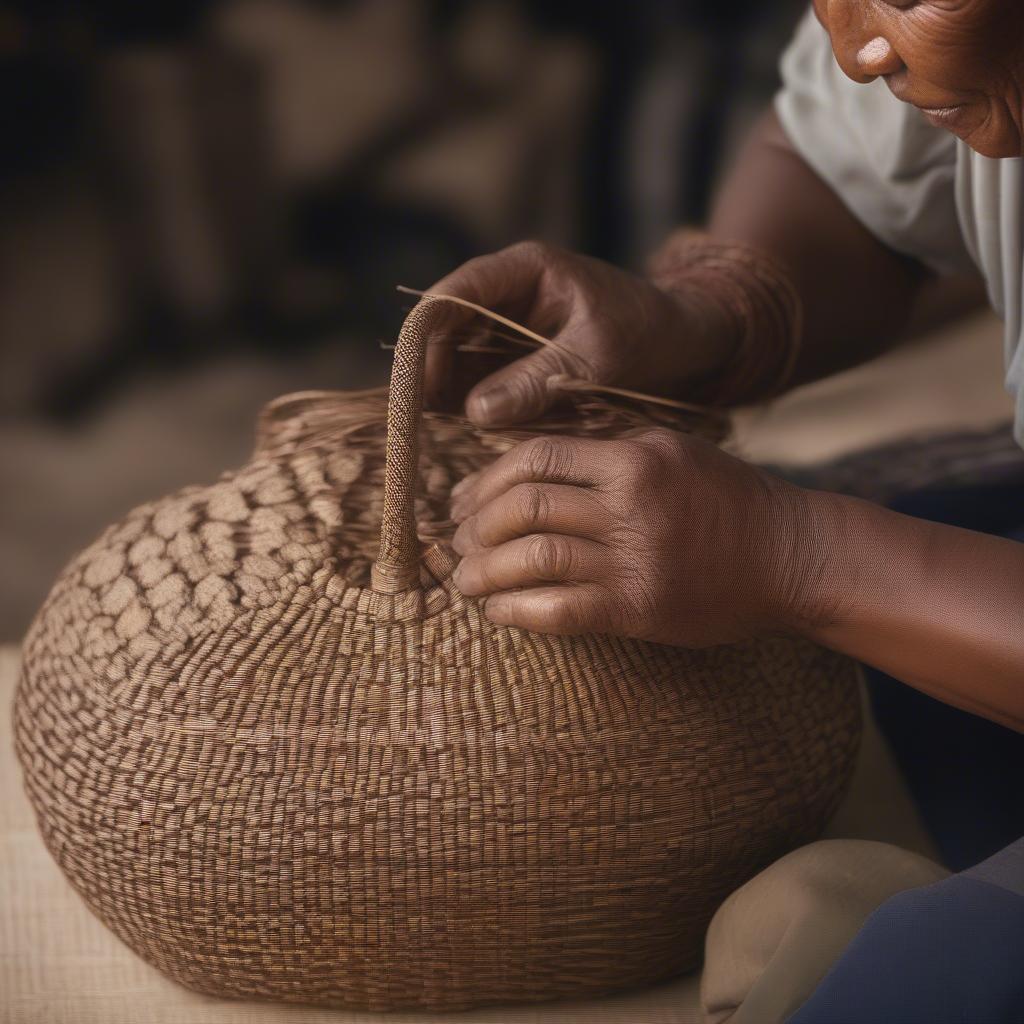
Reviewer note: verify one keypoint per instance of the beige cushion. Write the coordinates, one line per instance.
(775, 938)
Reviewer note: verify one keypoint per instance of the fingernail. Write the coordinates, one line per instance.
(496, 609)
(458, 510)
(457, 540)
(492, 406)
(457, 577)
(464, 483)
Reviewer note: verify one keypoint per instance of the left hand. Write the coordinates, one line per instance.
(662, 537)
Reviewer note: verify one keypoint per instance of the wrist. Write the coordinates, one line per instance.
(810, 566)
(749, 304)
(703, 338)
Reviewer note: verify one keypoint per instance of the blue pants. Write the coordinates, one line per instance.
(949, 953)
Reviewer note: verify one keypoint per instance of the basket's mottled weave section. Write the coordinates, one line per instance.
(273, 781)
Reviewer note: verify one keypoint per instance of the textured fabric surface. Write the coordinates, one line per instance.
(1004, 869)
(852, 932)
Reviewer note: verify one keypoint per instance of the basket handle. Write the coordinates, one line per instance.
(398, 561)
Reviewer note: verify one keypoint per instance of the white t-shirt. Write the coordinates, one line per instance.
(916, 187)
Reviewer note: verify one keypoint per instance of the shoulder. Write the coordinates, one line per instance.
(894, 170)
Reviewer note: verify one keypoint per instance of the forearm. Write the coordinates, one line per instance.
(857, 295)
(937, 607)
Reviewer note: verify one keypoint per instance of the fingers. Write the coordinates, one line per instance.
(533, 508)
(564, 610)
(558, 460)
(505, 281)
(517, 392)
(529, 561)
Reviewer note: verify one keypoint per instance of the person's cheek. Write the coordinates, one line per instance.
(973, 49)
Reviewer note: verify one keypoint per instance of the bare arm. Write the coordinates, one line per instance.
(729, 551)
(858, 295)
(667, 538)
(612, 327)
(938, 607)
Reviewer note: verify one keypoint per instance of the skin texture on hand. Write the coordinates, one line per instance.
(662, 537)
(610, 326)
(619, 329)
(666, 538)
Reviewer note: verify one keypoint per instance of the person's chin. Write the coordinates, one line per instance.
(999, 145)
(989, 136)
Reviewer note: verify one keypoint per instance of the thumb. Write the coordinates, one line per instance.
(503, 280)
(515, 393)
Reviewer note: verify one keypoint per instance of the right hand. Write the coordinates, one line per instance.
(617, 329)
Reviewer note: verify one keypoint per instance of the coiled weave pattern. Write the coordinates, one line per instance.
(273, 781)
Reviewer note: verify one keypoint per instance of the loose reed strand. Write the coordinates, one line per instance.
(489, 313)
(563, 382)
(566, 383)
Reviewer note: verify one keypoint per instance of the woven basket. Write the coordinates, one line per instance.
(278, 769)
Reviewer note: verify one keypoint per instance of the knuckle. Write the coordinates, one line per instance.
(660, 450)
(533, 505)
(477, 263)
(640, 462)
(662, 440)
(531, 249)
(481, 573)
(586, 350)
(527, 388)
(557, 613)
(470, 533)
(549, 557)
(602, 364)
(541, 458)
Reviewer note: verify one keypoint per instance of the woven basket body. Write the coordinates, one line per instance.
(277, 771)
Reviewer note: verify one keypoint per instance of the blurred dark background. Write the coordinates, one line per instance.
(207, 204)
(270, 170)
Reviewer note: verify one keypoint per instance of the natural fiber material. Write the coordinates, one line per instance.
(278, 771)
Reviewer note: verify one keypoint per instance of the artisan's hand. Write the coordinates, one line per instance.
(617, 328)
(661, 537)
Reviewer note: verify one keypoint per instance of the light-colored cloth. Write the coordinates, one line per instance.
(774, 939)
(914, 186)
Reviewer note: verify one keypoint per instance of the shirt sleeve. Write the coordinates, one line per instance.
(892, 169)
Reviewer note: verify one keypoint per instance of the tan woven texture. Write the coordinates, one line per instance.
(273, 781)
